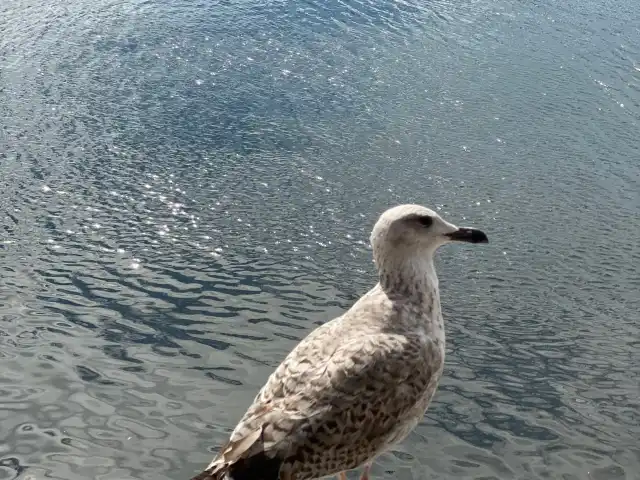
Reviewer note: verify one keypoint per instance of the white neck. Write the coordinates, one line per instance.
(412, 277)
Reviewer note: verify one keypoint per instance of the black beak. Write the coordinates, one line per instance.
(470, 235)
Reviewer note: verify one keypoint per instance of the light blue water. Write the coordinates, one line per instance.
(187, 189)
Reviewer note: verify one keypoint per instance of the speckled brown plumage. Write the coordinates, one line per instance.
(359, 383)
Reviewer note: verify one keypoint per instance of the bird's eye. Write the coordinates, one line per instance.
(425, 220)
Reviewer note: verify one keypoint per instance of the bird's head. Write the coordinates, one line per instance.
(407, 232)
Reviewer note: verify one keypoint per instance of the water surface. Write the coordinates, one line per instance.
(188, 188)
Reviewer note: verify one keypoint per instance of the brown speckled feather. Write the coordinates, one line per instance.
(344, 394)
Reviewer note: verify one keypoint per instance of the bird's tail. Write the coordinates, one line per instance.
(208, 475)
(256, 467)
(244, 458)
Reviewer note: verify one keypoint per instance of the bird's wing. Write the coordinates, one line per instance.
(329, 398)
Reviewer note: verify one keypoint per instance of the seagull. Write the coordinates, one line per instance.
(358, 384)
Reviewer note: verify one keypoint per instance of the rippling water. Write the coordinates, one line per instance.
(187, 189)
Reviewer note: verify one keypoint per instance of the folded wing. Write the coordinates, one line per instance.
(331, 406)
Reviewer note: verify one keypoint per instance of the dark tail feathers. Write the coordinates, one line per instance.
(256, 467)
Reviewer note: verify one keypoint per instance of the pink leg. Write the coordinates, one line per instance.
(365, 472)
(342, 476)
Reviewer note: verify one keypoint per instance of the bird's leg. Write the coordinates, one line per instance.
(365, 472)
(342, 476)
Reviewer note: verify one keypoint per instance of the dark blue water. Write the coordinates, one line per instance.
(187, 189)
